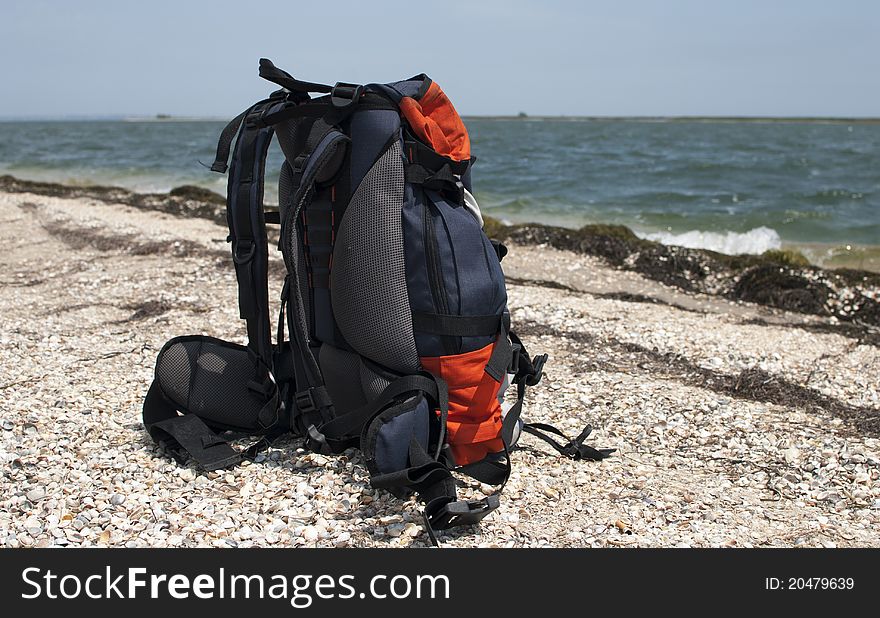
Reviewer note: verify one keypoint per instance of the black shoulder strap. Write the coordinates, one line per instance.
(247, 225)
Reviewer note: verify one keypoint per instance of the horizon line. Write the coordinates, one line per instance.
(519, 116)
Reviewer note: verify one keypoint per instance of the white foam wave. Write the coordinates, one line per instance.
(755, 241)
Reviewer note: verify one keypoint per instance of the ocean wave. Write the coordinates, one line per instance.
(831, 196)
(755, 241)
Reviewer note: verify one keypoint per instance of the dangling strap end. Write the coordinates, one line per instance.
(593, 454)
(430, 530)
(317, 442)
(443, 513)
(538, 372)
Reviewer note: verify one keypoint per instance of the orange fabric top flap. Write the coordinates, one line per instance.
(434, 120)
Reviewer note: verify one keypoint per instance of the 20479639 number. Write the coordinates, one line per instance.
(820, 583)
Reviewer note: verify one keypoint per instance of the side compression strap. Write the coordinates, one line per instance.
(456, 325)
(528, 373)
(344, 431)
(573, 448)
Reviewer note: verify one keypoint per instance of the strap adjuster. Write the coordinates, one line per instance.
(304, 401)
(299, 163)
(344, 94)
(460, 512)
(310, 404)
(538, 363)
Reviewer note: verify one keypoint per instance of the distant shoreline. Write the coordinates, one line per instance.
(684, 119)
(203, 202)
(526, 118)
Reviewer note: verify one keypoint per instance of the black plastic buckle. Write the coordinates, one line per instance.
(304, 401)
(316, 441)
(285, 289)
(462, 512)
(344, 94)
(538, 363)
(299, 164)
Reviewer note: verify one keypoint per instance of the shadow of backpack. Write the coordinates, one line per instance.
(400, 342)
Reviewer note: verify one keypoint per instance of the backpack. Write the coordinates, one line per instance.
(399, 338)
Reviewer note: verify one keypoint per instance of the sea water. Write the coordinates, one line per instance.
(733, 186)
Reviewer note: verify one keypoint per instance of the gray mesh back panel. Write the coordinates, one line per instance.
(372, 383)
(368, 280)
(285, 188)
(287, 133)
(341, 370)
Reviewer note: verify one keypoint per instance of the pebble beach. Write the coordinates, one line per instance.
(735, 424)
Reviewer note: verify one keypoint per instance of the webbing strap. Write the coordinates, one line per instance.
(284, 79)
(435, 486)
(502, 352)
(438, 180)
(428, 159)
(247, 229)
(224, 144)
(184, 435)
(573, 448)
(425, 475)
(292, 111)
(229, 132)
(456, 325)
(528, 373)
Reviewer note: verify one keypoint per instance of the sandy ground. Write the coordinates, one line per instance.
(735, 425)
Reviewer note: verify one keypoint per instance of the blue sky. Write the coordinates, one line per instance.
(623, 57)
